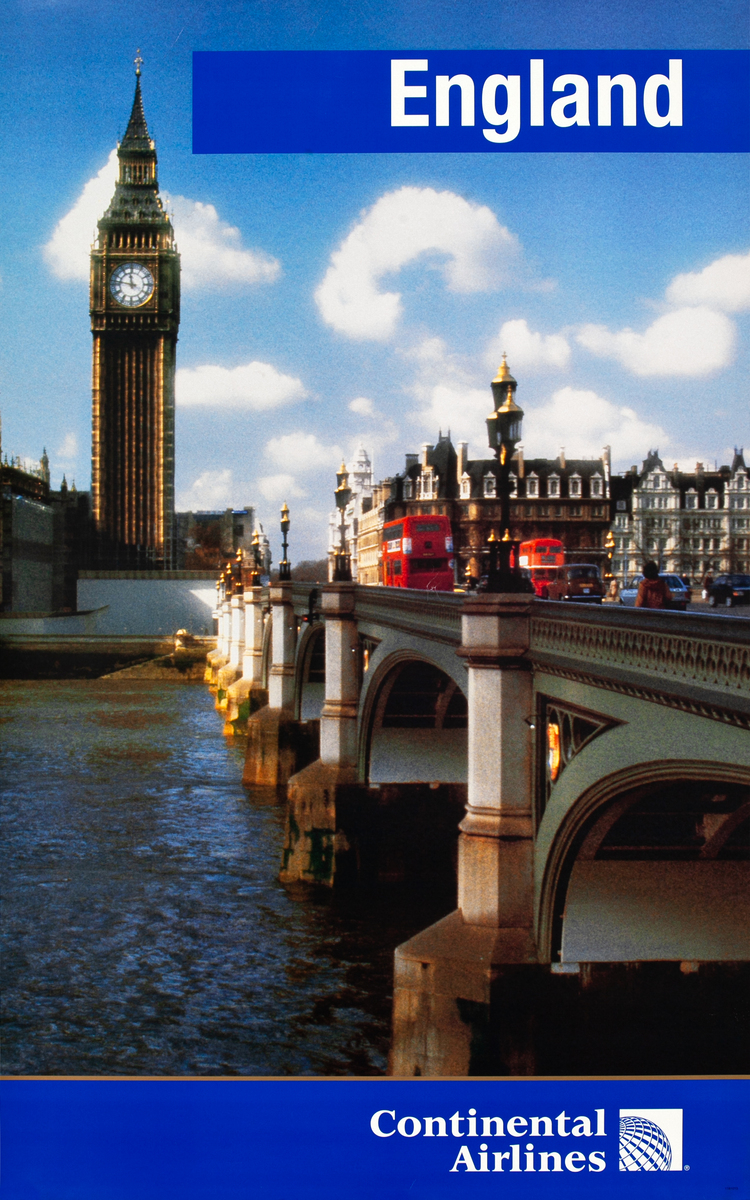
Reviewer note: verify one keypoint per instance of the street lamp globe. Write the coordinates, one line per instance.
(504, 423)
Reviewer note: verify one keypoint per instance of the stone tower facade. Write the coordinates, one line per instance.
(135, 313)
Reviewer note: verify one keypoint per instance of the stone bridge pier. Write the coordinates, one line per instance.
(219, 657)
(276, 741)
(444, 976)
(235, 644)
(317, 794)
(375, 808)
(248, 692)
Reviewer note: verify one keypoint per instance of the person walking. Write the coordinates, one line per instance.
(706, 584)
(652, 591)
(613, 592)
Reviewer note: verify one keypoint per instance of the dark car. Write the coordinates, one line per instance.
(576, 581)
(729, 590)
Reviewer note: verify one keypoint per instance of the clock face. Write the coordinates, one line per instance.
(131, 284)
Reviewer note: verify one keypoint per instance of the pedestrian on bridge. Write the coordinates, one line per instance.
(653, 592)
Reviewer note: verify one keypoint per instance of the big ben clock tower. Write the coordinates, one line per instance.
(135, 312)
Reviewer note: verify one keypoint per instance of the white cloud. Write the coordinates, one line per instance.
(689, 341)
(527, 350)
(279, 487)
(447, 394)
(696, 338)
(212, 254)
(211, 251)
(67, 251)
(255, 386)
(583, 422)
(212, 489)
(400, 227)
(362, 406)
(68, 450)
(302, 452)
(723, 284)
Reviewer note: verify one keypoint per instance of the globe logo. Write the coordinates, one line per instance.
(644, 1146)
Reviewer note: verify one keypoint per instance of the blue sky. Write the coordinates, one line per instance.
(333, 299)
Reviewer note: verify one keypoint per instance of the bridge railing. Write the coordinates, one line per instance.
(436, 613)
(699, 658)
(702, 658)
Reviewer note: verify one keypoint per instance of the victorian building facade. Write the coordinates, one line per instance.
(563, 498)
(689, 523)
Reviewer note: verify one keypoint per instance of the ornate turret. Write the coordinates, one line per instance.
(136, 195)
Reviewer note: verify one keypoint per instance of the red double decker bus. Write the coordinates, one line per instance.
(418, 553)
(541, 557)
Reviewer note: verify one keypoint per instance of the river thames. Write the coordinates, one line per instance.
(143, 927)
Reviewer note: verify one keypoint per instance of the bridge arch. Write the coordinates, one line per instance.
(651, 863)
(309, 671)
(413, 726)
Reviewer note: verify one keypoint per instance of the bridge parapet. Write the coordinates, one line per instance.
(699, 662)
(436, 615)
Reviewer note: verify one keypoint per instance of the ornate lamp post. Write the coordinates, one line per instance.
(342, 571)
(255, 572)
(504, 434)
(236, 575)
(285, 570)
(609, 546)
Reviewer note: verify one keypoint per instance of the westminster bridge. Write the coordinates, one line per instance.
(596, 761)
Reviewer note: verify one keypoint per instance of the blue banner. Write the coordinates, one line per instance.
(336, 1139)
(476, 101)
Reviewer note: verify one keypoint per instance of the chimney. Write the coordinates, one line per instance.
(426, 448)
(461, 459)
(411, 460)
(518, 456)
(607, 464)
(561, 458)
